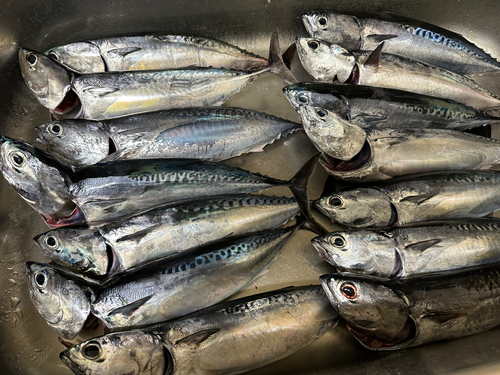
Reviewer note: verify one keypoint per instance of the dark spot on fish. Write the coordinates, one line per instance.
(349, 291)
(217, 257)
(199, 261)
(313, 44)
(31, 59)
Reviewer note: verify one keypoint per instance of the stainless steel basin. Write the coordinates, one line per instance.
(27, 344)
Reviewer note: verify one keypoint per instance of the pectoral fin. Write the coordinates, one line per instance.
(443, 317)
(138, 236)
(130, 309)
(377, 38)
(197, 338)
(102, 91)
(422, 246)
(417, 199)
(125, 51)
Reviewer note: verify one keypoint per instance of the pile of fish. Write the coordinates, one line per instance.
(151, 231)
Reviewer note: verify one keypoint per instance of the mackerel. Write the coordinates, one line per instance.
(164, 232)
(402, 36)
(229, 338)
(160, 290)
(152, 52)
(329, 62)
(211, 133)
(414, 199)
(392, 315)
(410, 252)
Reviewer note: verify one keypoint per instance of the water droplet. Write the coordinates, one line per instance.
(19, 313)
(12, 281)
(14, 301)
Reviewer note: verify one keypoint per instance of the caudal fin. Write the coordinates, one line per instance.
(276, 63)
(298, 184)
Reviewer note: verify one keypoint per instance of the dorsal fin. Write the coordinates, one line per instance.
(374, 58)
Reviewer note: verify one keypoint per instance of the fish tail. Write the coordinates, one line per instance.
(298, 184)
(276, 63)
(311, 225)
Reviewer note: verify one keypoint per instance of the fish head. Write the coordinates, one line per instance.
(371, 309)
(360, 251)
(336, 28)
(324, 61)
(358, 208)
(61, 301)
(75, 143)
(36, 176)
(48, 80)
(80, 57)
(135, 352)
(318, 95)
(332, 134)
(81, 250)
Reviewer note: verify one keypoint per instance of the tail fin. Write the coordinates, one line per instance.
(276, 63)
(311, 225)
(298, 184)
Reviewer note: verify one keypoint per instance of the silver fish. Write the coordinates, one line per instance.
(430, 197)
(328, 62)
(229, 338)
(354, 154)
(331, 134)
(34, 175)
(65, 311)
(212, 133)
(152, 52)
(119, 189)
(415, 251)
(108, 95)
(164, 232)
(402, 36)
(165, 290)
(385, 315)
(370, 107)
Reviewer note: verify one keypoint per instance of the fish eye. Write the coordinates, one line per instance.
(55, 129)
(349, 291)
(313, 44)
(31, 59)
(302, 98)
(92, 350)
(53, 56)
(339, 241)
(335, 202)
(322, 113)
(18, 158)
(41, 279)
(322, 21)
(51, 242)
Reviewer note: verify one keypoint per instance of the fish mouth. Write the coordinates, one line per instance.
(322, 251)
(337, 166)
(68, 362)
(402, 339)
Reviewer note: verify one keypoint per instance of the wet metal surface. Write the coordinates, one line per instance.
(28, 345)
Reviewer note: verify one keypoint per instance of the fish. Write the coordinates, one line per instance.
(355, 154)
(228, 338)
(392, 315)
(163, 232)
(101, 96)
(328, 62)
(414, 199)
(398, 253)
(124, 188)
(402, 36)
(152, 52)
(163, 289)
(210, 133)
(375, 107)
(35, 175)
